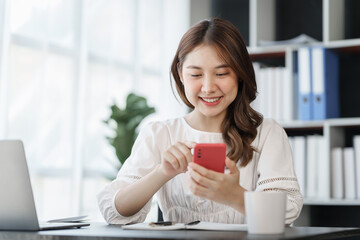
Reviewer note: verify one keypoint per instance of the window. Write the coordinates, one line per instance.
(62, 64)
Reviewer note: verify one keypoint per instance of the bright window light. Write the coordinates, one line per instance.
(62, 64)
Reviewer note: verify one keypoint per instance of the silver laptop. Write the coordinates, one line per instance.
(17, 206)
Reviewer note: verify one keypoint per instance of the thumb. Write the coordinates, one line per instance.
(231, 165)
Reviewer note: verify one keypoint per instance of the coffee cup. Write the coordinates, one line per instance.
(265, 212)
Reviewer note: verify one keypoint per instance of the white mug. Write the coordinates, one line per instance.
(265, 212)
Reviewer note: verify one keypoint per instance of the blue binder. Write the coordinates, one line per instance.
(304, 84)
(325, 75)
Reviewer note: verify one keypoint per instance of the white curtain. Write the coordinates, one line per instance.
(62, 64)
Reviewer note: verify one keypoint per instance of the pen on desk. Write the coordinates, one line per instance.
(169, 223)
(193, 223)
(161, 223)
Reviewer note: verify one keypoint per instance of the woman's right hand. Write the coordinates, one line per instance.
(176, 158)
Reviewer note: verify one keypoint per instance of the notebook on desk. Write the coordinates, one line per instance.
(17, 206)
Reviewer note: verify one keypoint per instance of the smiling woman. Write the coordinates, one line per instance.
(214, 76)
(225, 45)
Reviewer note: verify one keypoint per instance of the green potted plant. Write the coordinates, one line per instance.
(124, 123)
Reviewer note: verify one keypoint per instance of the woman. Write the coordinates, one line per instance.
(214, 76)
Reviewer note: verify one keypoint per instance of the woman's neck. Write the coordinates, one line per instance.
(203, 123)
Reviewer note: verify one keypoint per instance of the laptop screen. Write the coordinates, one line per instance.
(17, 207)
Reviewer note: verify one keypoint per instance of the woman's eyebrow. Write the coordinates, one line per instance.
(217, 67)
(222, 66)
(193, 67)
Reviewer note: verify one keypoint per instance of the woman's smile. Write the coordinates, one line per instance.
(211, 101)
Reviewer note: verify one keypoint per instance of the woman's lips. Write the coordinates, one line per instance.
(211, 101)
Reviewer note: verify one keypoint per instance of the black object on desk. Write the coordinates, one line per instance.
(169, 223)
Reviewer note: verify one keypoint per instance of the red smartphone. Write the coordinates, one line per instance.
(210, 155)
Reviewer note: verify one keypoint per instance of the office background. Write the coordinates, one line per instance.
(64, 62)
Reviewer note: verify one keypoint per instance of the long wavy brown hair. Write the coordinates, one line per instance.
(239, 127)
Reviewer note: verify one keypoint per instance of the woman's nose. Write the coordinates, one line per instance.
(208, 85)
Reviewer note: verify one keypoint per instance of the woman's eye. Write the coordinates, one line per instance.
(195, 75)
(222, 74)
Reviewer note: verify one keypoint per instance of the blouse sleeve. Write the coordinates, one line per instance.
(144, 157)
(276, 169)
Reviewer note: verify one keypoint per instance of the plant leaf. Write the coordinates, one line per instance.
(127, 121)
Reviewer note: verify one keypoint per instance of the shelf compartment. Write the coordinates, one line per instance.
(236, 11)
(297, 17)
(341, 20)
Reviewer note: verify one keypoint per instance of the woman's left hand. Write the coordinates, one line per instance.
(218, 187)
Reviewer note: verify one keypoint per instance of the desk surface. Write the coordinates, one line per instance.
(103, 231)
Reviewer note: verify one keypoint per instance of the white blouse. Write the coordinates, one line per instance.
(271, 169)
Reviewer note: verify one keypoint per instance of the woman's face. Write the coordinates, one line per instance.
(210, 84)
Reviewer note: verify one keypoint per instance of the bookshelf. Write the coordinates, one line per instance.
(335, 26)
